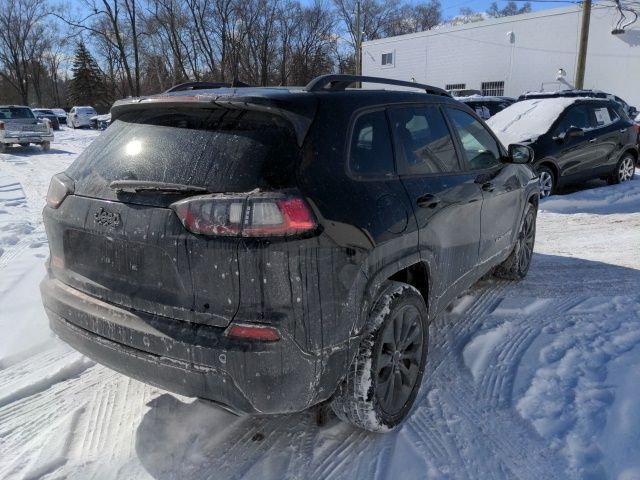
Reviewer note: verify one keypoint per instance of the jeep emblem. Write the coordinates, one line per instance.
(107, 219)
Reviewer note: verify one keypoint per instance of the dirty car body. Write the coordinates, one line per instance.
(165, 264)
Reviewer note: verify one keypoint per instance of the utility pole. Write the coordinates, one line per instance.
(582, 47)
(358, 42)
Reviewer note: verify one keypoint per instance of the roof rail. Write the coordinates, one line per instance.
(196, 86)
(334, 83)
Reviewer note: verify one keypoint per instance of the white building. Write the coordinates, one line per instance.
(511, 55)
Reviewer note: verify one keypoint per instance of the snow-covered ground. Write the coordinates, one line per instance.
(538, 379)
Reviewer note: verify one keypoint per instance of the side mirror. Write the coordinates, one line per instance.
(633, 111)
(520, 153)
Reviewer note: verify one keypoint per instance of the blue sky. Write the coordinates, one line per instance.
(451, 8)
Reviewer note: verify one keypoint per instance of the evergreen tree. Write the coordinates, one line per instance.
(87, 86)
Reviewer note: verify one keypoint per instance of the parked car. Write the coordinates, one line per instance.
(629, 110)
(19, 126)
(100, 122)
(48, 114)
(464, 92)
(486, 107)
(270, 249)
(62, 115)
(574, 139)
(79, 117)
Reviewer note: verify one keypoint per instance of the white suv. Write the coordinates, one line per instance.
(80, 116)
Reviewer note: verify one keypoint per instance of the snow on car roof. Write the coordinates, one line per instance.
(528, 119)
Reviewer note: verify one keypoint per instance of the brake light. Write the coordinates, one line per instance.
(260, 333)
(1, 125)
(257, 215)
(59, 188)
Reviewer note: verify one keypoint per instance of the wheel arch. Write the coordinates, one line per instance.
(416, 275)
(550, 164)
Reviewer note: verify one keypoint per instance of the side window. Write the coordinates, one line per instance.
(370, 152)
(423, 141)
(576, 116)
(481, 149)
(602, 115)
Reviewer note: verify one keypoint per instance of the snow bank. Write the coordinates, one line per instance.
(527, 119)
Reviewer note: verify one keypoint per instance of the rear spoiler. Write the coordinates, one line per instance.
(299, 113)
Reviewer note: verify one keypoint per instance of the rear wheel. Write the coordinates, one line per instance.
(516, 266)
(547, 181)
(46, 146)
(3, 147)
(385, 376)
(624, 170)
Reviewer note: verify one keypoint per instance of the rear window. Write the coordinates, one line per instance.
(86, 110)
(8, 113)
(221, 150)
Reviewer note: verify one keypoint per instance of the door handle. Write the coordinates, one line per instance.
(593, 140)
(623, 130)
(428, 200)
(488, 187)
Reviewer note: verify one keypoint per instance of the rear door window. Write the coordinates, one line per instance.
(370, 151)
(603, 115)
(481, 149)
(423, 141)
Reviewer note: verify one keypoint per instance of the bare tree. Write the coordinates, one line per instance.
(22, 37)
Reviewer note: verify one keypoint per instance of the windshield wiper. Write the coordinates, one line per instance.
(136, 186)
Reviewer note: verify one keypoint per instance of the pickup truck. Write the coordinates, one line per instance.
(18, 125)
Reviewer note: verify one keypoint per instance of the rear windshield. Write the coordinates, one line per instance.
(87, 110)
(221, 150)
(8, 113)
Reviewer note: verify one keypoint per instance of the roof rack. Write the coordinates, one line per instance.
(182, 87)
(196, 86)
(336, 83)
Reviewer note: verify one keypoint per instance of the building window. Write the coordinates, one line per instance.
(455, 86)
(493, 89)
(387, 59)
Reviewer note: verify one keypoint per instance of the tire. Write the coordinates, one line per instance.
(624, 171)
(46, 146)
(547, 181)
(24, 144)
(393, 347)
(3, 147)
(72, 125)
(517, 264)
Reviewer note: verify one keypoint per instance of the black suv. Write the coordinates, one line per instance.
(574, 139)
(486, 107)
(270, 249)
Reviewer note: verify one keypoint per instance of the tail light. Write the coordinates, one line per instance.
(1, 125)
(258, 215)
(636, 127)
(60, 186)
(262, 333)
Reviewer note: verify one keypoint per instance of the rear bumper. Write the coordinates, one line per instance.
(26, 137)
(193, 360)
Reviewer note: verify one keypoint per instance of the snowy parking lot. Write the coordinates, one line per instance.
(532, 380)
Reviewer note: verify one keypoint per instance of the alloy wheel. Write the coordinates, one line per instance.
(546, 183)
(399, 358)
(626, 169)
